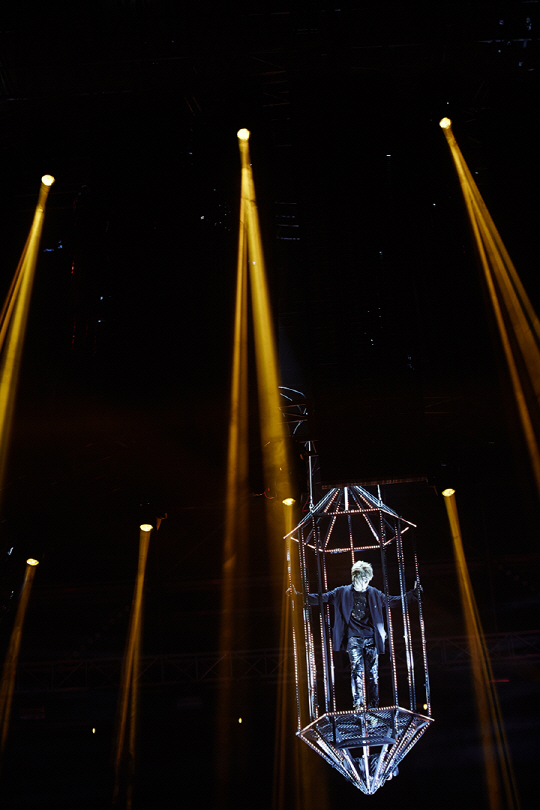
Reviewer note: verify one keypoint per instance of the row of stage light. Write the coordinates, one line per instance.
(13, 318)
(516, 320)
(506, 292)
(519, 332)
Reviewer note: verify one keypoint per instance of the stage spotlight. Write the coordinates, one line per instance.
(47, 179)
(448, 492)
(31, 561)
(145, 527)
(445, 123)
(288, 501)
(243, 134)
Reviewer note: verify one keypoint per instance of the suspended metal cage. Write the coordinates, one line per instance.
(350, 524)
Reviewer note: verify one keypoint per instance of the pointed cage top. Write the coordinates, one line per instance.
(358, 505)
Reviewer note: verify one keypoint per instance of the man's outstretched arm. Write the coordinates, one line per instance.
(313, 598)
(328, 596)
(394, 601)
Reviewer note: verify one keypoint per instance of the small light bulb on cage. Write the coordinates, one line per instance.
(243, 134)
(445, 123)
(288, 501)
(146, 527)
(31, 561)
(449, 492)
(47, 179)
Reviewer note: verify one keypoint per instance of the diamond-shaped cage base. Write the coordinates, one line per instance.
(366, 747)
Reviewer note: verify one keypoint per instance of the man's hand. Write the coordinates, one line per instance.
(417, 587)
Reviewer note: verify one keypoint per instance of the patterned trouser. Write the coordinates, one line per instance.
(364, 659)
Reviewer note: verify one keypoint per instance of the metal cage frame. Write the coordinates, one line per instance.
(365, 746)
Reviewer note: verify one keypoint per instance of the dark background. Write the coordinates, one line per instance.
(122, 408)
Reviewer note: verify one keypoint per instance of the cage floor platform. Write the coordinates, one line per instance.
(366, 747)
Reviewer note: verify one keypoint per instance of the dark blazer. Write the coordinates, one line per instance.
(342, 599)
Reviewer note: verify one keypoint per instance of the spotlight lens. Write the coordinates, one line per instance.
(448, 492)
(146, 527)
(47, 179)
(31, 561)
(243, 134)
(445, 123)
(288, 501)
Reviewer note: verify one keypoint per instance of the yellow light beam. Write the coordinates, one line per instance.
(12, 330)
(236, 524)
(519, 393)
(5, 315)
(13, 323)
(273, 437)
(467, 181)
(522, 315)
(276, 470)
(283, 750)
(272, 429)
(497, 760)
(124, 761)
(296, 769)
(9, 303)
(10, 663)
(237, 445)
(283, 715)
(517, 322)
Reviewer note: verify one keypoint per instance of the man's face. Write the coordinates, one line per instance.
(361, 582)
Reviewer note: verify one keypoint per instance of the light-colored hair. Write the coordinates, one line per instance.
(361, 569)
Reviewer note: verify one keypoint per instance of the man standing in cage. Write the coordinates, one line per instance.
(359, 629)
